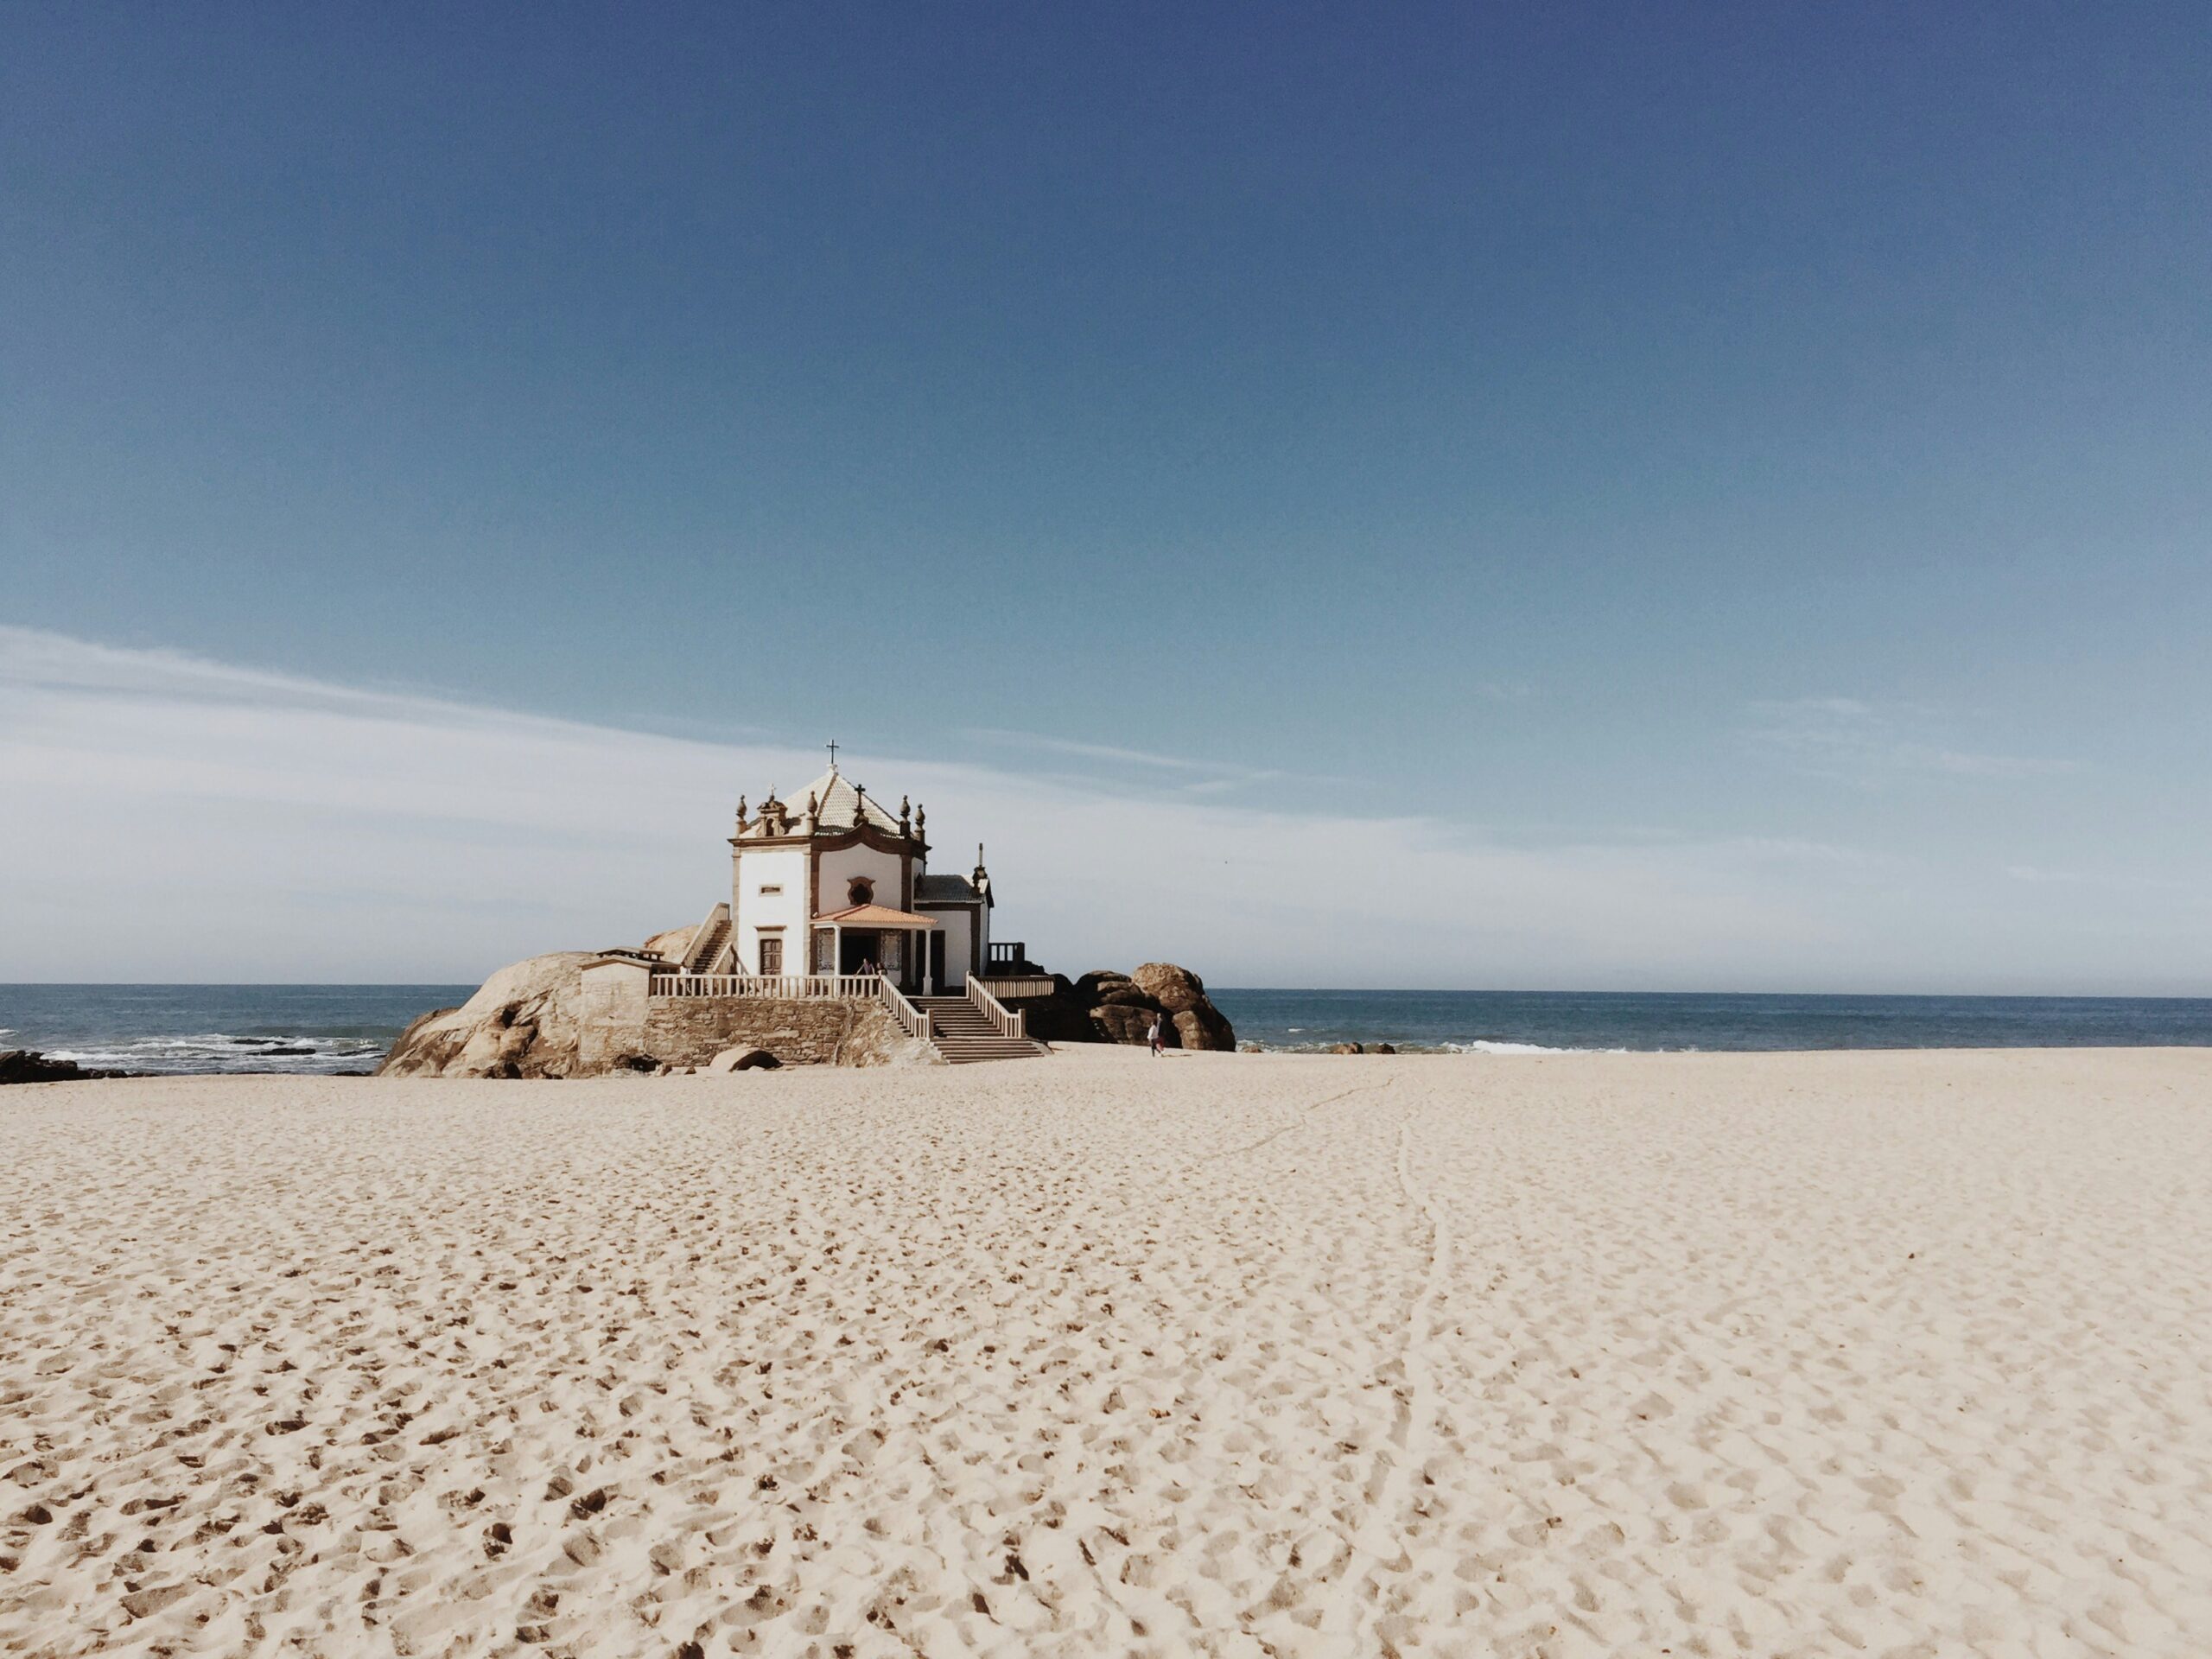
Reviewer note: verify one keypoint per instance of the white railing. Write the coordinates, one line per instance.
(916, 1020)
(1002, 986)
(806, 987)
(1003, 1020)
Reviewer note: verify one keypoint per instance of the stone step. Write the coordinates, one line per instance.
(999, 1048)
(965, 1036)
(704, 950)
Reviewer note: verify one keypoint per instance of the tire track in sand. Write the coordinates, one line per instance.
(1378, 1543)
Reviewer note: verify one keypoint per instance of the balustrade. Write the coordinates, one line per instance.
(916, 1020)
(842, 988)
(1004, 1021)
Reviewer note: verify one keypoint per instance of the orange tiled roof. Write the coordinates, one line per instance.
(875, 916)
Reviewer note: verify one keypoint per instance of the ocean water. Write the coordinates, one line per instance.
(326, 1029)
(332, 1029)
(1507, 1022)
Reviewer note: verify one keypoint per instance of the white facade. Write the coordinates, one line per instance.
(959, 930)
(842, 882)
(770, 893)
(885, 875)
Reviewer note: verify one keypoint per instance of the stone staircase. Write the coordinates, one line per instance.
(963, 1035)
(708, 943)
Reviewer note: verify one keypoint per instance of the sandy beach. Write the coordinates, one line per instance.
(1885, 1354)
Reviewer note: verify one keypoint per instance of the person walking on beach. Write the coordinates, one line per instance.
(1151, 1036)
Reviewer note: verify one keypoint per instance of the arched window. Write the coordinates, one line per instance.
(861, 892)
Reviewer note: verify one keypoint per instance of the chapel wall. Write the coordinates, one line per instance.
(776, 867)
(955, 925)
(841, 866)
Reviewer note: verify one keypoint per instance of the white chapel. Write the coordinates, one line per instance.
(833, 881)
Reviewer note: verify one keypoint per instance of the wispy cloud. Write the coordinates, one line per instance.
(1089, 751)
(1790, 849)
(2035, 875)
(2111, 881)
(1851, 740)
(167, 817)
(1192, 776)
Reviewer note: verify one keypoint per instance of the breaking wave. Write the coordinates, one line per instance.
(220, 1051)
(1487, 1046)
(1470, 1045)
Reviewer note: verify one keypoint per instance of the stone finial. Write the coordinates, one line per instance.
(740, 811)
(906, 814)
(921, 817)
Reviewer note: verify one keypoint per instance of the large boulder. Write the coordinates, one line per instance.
(1198, 1023)
(1105, 986)
(1120, 1022)
(1204, 1027)
(673, 943)
(1169, 987)
(1107, 1006)
(742, 1060)
(1063, 1017)
(521, 1023)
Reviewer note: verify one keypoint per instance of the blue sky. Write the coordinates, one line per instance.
(1747, 464)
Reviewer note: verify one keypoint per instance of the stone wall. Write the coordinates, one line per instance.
(611, 1005)
(691, 1030)
(572, 1015)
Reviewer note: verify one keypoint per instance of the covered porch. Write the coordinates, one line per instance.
(871, 938)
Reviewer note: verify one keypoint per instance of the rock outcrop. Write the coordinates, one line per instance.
(1182, 994)
(29, 1066)
(673, 943)
(1106, 1006)
(742, 1060)
(526, 1022)
(521, 1023)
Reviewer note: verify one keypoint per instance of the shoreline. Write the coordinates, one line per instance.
(192, 1030)
(1116, 1053)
